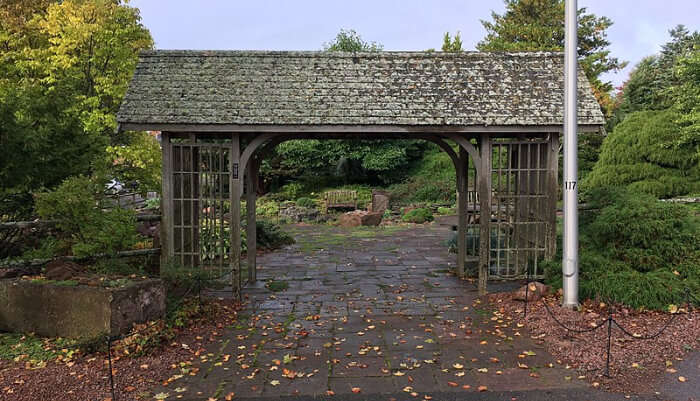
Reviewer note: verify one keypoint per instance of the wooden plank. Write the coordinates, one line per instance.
(251, 228)
(166, 203)
(462, 199)
(484, 183)
(551, 188)
(350, 129)
(235, 223)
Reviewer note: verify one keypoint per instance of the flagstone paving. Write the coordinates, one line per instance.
(368, 311)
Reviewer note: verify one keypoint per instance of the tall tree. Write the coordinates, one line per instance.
(346, 160)
(649, 84)
(64, 69)
(538, 25)
(347, 40)
(450, 44)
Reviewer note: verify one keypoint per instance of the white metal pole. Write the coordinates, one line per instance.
(570, 246)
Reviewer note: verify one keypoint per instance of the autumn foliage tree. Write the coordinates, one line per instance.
(64, 69)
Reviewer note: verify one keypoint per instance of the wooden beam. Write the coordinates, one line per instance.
(349, 129)
(466, 145)
(250, 149)
(484, 182)
(552, 188)
(462, 198)
(251, 177)
(166, 203)
(235, 223)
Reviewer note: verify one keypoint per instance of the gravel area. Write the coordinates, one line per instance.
(637, 365)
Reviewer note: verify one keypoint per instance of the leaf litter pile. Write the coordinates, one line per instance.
(637, 365)
(76, 375)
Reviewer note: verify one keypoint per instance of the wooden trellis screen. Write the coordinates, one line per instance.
(199, 183)
(524, 193)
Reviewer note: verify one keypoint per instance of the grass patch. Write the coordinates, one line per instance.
(277, 285)
(33, 349)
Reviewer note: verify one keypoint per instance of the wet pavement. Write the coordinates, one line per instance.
(369, 312)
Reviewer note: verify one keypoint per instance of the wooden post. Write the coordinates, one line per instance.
(251, 228)
(552, 188)
(462, 199)
(196, 205)
(235, 223)
(167, 251)
(484, 182)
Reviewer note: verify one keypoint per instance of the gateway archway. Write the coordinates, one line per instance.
(219, 111)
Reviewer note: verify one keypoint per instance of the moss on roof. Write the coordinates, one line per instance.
(377, 88)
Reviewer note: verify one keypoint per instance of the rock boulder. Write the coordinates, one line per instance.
(360, 218)
(535, 291)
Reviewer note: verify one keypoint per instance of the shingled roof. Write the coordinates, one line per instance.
(329, 88)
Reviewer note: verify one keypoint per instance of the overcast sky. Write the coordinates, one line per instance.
(640, 26)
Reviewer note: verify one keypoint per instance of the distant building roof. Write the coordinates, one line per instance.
(330, 88)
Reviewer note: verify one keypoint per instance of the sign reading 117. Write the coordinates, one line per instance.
(569, 185)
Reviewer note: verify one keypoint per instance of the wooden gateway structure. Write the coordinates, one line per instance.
(498, 116)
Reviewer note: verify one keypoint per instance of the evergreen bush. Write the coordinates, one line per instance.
(636, 250)
(418, 216)
(89, 229)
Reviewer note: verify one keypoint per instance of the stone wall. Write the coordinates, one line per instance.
(78, 311)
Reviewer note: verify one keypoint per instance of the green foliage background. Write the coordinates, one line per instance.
(64, 69)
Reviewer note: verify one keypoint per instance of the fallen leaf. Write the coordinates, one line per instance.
(230, 396)
(681, 379)
(356, 390)
(482, 388)
(458, 366)
(452, 384)
(275, 382)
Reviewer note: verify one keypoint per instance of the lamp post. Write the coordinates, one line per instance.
(570, 245)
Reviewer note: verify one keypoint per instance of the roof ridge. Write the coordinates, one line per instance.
(337, 54)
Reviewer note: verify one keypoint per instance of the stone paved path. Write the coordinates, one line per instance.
(372, 311)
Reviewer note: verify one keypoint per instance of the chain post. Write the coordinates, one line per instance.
(109, 365)
(607, 358)
(527, 287)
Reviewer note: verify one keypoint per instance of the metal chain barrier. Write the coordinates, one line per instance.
(109, 339)
(610, 321)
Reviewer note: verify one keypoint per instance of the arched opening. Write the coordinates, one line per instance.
(505, 223)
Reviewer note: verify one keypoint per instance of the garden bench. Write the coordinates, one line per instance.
(341, 199)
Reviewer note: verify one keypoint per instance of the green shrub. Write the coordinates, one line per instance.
(76, 207)
(445, 210)
(635, 250)
(432, 179)
(271, 236)
(267, 207)
(643, 153)
(290, 191)
(305, 202)
(418, 216)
